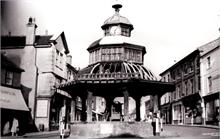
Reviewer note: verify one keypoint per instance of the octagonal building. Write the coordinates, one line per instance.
(116, 70)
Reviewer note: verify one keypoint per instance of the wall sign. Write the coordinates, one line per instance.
(42, 106)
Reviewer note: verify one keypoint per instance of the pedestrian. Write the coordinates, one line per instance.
(62, 127)
(156, 124)
(15, 127)
(161, 123)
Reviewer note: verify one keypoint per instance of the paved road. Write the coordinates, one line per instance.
(170, 132)
(185, 132)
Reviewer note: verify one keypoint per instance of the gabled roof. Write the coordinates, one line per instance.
(62, 35)
(194, 53)
(8, 64)
(206, 48)
(71, 67)
(8, 42)
(16, 42)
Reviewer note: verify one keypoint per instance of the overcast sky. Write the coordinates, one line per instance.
(170, 29)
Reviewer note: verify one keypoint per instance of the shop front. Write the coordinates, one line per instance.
(212, 108)
(177, 113)
(13, 107)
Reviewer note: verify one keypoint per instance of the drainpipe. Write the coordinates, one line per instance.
(36, 84)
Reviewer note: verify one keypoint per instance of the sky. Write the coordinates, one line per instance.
(169, 29)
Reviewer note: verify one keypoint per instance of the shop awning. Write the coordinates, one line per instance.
(211, 96)
(191, 100)
(12, 99)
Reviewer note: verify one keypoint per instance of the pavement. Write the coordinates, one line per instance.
(170, 131)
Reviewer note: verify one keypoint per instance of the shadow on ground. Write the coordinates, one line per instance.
(126, 135)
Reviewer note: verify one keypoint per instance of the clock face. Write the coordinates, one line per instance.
(115, 30)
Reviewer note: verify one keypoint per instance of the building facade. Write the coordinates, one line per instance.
(165, 101)
(197, 82)
(210, 80)
(47, 64)
(182, 106)
(12, 102)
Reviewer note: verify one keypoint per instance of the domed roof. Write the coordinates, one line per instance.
(117, 18)
(118, 69)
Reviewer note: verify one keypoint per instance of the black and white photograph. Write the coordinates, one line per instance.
(103, 69)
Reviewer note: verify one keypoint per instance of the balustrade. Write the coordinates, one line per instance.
(108, 76)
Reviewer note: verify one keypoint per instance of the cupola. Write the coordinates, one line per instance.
(117, 24)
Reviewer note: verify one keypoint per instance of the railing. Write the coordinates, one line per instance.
(104, 76)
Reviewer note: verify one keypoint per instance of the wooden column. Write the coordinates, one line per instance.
(156, 104)
(126, 105)
(89, 106)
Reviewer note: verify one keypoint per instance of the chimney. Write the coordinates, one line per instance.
(69, 59)
(31, 31)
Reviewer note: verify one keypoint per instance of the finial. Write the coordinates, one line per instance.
(117, 7)
(30, 20)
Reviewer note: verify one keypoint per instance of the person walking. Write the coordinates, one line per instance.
(15, 127)
(161, 123)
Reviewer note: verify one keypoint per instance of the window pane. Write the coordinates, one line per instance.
(9, 78)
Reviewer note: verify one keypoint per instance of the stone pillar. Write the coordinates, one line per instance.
(73, 110)
(63, 109)
(138, 106)
(126, 105)
(156, 104)
(203, 105)
(83, 113)
(109, 101)
(89, 106)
